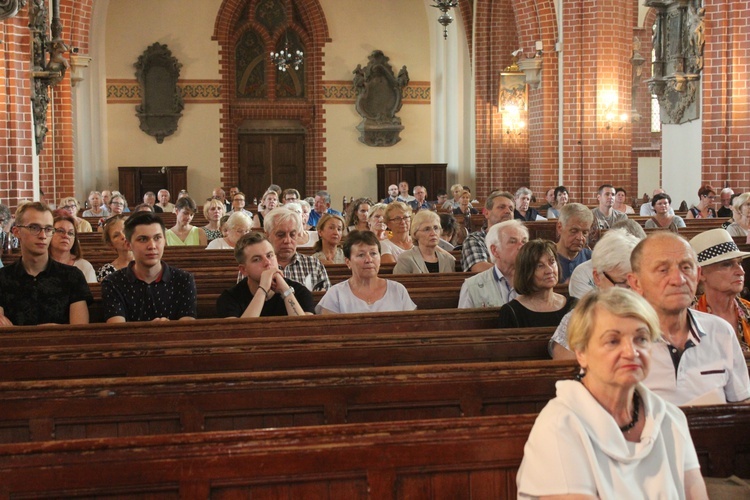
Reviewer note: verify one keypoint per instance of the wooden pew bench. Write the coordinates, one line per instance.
(109, 407)
(122, 357)
(443, 458)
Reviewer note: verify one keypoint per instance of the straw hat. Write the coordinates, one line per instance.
(715, 245)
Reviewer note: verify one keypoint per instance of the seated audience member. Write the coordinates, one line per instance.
(398, 219)
(582, 280)
(269, 201)
(464, 207)
(117, 204)
(620, 205)
(220, 194)
(726, 196)
(605, 216)
(358, 211)
(662, 203)
(449, 234)
(150, 199)
(602, 436)
(321, 206)
(65, 248)
(70, 205)
(106, 197)
(365, 291)
(403, 193)
(562, 197)
(98, 209)
(426, 256)
(723, 278)
(524, 211)
(184, 233)
(305, 238)
(276, 188)
(647, 210)
(113, 235)
(183, 193)
(163, 196)
(550, 199)
(494, 286)
(392, 194)
(290, 195)
(376, 221)
(610, 262)
(535, 277)
(148, 289)
(698, 359)
(475, 257)
(420, 200)
(238, 224)
(441, 198)
(306, 209)
(328, 248)
(282, 227)
(213, 211)
(741, 224)
(143, 207)
(35, 289)
(457, 190)
(264, 291)
(705, 207)
(6, 221)
(573, 226)
(238, 205)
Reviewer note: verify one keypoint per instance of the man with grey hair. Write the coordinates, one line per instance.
(698, 359)
(726, 203)
(573, 226)
(219, 194)
(282, 226)
(164, 203)
(523, 209)
(321, 206)
(498, 208)
(150, 199)
(494, 287)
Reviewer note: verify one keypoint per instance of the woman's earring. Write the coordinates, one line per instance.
(581, 374)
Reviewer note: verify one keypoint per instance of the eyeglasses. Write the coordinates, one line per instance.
(35, 229)
(290, 198)
(618, 284)
(399, 220)
(70, 207)
(430, 229)
(117, 203)
(62, 232)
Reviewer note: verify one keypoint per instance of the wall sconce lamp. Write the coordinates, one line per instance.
(512, 121)
(609, 110)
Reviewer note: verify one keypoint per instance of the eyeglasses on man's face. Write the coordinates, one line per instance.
(35, 229)
(618, 284)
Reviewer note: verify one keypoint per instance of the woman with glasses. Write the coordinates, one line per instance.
(238, 225)
(741, 210)
(398, 219)
(70, 206)
(113, 235)
(376, 221)
(65, 247)
(213, 211)
(358, 215)
(611, 266)
(534, 280)
(426, 256)
(365, 291)
(705, 207)
(183, 233)
(663, 219)
(117, 204)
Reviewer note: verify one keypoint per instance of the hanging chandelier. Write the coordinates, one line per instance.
(445, 19)
(285, 59)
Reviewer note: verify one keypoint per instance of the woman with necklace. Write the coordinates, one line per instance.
(603, 435)
(65, 247)
(426, 256)
(723, 278)
(365, 291)
(213, 211)
(398, 219)
(663, 220)
(113, 235)
(741, 209)
(534, 280)
(328, 248)
(704, 209)
(183, 233)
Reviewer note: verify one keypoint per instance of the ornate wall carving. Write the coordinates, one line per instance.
(9, 8)
(378, 100)
(678, 41)
(161, 106)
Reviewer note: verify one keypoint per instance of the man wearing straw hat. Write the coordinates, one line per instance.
(698, 360)
(723, 278)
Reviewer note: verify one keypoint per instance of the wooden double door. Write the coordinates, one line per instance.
(266, 159)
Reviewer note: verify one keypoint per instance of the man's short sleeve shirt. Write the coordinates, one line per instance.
(474, 250)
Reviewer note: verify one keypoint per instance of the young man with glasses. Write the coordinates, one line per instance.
(37, 290)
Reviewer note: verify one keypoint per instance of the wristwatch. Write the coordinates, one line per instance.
(289, 291)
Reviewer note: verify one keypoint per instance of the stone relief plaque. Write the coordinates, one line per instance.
(161, 105)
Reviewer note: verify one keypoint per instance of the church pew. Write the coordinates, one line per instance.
(122, 357)
(109, 407)
(444, 458)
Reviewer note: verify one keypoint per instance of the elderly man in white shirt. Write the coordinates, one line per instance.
(494, 286)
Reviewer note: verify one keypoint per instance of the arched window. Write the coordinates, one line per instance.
(251, 60)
